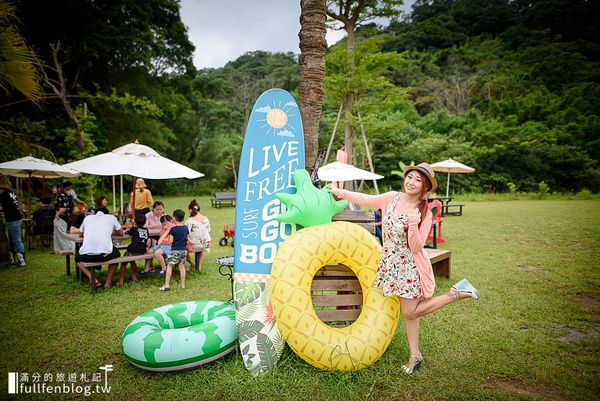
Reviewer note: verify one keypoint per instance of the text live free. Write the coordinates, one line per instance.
(270, 170)
(274, 179)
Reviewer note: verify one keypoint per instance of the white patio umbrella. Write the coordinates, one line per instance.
(451, 166)
(136, 160)
(29, 166)
(338, 171)
(32, 167)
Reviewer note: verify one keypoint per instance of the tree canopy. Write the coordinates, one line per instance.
(510, 88)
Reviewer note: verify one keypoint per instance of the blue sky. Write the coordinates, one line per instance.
(223, 30)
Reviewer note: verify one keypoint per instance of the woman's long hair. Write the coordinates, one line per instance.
(99, 204)
(423, 206)
(194, 208)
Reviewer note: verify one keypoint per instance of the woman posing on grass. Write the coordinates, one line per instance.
(405, 270)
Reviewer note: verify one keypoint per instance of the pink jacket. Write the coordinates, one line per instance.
(416, 236)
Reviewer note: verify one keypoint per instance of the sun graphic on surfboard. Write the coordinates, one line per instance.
(277, 118)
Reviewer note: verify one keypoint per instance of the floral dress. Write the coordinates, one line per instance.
(199, 234)
(397, 272)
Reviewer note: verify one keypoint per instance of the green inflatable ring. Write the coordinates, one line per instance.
(180, 336)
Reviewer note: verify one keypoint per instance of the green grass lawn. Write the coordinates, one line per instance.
(533, 335)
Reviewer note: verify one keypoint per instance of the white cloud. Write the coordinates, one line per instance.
(223, 30)
(264, 109)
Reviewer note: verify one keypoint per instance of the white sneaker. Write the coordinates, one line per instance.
(21, 260)
(465, 286)
(11, 257)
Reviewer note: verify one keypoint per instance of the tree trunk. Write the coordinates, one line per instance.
(59, 87)
(234, 170)
(348, 100)
(313, 47)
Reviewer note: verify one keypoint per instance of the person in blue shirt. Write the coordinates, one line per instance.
(178, 253)
(378, 222)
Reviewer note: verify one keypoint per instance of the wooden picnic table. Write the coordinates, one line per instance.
(447, 207)
(78, 239)
(220, 199)
(444, 200)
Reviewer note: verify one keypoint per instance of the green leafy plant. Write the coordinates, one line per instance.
(400, 173)
(543, 189)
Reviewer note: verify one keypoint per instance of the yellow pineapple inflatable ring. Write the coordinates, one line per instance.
(298, 259)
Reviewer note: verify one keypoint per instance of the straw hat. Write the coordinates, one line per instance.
(425, 169)
(140, 183)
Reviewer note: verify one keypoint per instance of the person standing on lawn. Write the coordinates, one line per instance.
(178, 252)
(404, 269)
(81, 205)
(143, 197)
(102, 204)
(199, 238)
(14, 220)
(63, 206)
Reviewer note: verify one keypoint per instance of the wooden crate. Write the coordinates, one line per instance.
(336, 295)
(336, 291)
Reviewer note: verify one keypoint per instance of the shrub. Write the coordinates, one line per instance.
(542, 189)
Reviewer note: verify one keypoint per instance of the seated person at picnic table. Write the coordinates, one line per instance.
(42, 215)
(77, 220)
(102, 204)
(163, 247)
(178, 253)
(97, 231)
(153, 219)
(139, 246)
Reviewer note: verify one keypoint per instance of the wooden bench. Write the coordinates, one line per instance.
(450, 209)
(222, 199)
(440, 261)
(363, 218)
(67, 254)
(122, 259)
(337, 294)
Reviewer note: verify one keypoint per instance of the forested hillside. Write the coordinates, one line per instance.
(509, 88)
